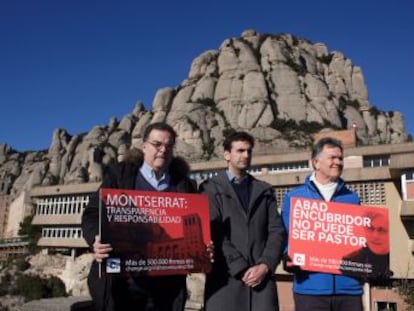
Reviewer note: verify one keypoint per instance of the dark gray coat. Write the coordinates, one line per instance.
(109, 293)
(241, 240)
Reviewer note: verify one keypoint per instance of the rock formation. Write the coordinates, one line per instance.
(280, 88)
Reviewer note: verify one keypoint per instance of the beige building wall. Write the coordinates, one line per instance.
(18, 209)
(4, 214)
(353, 161)
(401, 258)
(347, 137)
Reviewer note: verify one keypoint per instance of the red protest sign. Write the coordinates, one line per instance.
(339, 238)
(155, 233)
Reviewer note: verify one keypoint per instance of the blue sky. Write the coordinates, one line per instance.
(74, 64)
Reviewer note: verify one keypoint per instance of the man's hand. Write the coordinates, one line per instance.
(100, 250)
(288, 265)
(254, 275)
(210, 251)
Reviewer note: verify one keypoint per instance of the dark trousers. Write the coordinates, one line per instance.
(118, 293)
(167, 293)
(327, 302)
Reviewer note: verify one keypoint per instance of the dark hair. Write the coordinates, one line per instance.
(237, 136)
(326, 141)
(160, 126)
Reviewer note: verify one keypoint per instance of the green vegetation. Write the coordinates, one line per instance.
(33, 233)
(406, 289)
(209, 102)
(250, 45)
(326, 59)
(290, 125)
(299, 69)
(346, 102)
(21, 264)
(227, 131)
(208, 148)
(374, 111)
(4, 284)
(354, 103)
(284, 125)
(33, 287)
(295, 41)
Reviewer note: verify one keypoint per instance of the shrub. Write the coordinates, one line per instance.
(5, 284)
(207, 102)
(33, 233)
(22, 264)
(343, 102)
(30, 287)
(326, 59)
(56, 288)
(374, 111)
(406, 289)
(283, 125)
(299, 69)
(354, 103)
(33, 287)
(227, 131)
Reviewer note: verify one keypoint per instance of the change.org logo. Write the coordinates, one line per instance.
(299, 259)
(113, 265)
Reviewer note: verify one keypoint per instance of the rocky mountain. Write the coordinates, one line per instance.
(280, 88)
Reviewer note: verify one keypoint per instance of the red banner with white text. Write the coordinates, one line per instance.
(155, 233)
(339, 238)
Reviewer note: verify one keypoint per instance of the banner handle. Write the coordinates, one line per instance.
(100, 227)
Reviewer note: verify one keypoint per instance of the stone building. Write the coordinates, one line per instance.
(12, 213)
(58, 210)
(382, 175)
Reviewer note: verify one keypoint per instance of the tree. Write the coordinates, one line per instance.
(33, 233)
(406, 289)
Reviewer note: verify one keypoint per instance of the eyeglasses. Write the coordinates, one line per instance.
(158, 145)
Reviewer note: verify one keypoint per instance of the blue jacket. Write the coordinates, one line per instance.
(315, 283)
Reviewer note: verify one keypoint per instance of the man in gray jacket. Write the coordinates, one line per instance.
(247, 232)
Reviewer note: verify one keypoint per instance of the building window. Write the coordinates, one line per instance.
(407, 185)
(372, 193)
(385, 306)
(255, 170)
(290, 166)
(377, 160)
(62, 205)
(62, 233)
(280, 193)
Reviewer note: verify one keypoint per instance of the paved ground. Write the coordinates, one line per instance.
(57, 304)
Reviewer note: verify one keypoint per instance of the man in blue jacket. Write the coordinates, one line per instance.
(314, 290)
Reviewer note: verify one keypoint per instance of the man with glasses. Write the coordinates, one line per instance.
(153, 169)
